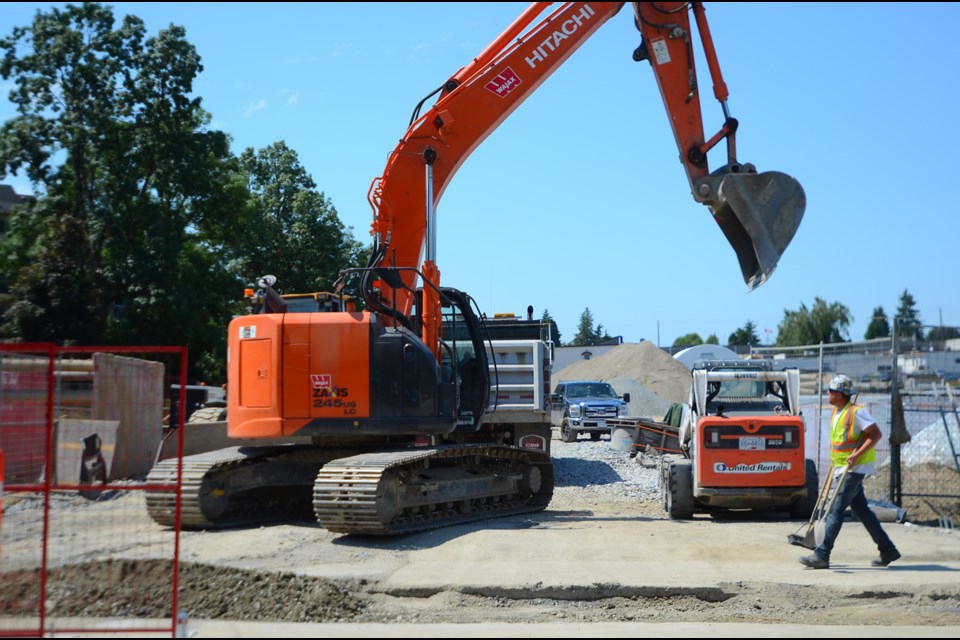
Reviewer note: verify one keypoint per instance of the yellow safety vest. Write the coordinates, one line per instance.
(843, 441)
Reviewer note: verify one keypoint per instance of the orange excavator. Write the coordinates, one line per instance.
(372, 414)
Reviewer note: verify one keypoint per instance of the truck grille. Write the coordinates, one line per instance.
(600, 412)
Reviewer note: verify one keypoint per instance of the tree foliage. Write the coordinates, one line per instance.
(42, 305)
(299, 237)
(879, 326)
(822, 323)
(586, 333)
(745, 335)
(943, 333)
(554, 329)
(907, 321)
(107, 131)
(145, 227)
(688, 340)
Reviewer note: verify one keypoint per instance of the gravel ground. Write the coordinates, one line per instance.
(592, 471)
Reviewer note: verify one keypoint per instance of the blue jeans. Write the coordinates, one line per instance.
(851, 495)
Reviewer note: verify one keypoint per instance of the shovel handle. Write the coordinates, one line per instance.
(833, 498)
(824, 492)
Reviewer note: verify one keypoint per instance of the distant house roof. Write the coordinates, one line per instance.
(10, 198)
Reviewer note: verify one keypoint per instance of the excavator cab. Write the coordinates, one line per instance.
(464, 367)
(759, 213)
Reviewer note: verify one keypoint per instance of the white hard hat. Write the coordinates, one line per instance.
(841, 383)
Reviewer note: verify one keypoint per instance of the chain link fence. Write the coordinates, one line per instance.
(79, 431)
(912, 389)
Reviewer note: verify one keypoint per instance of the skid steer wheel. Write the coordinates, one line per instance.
(677, 489)
(566, 433)
(805, 506)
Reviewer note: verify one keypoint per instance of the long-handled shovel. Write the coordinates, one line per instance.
(807, 540)
(820, 528)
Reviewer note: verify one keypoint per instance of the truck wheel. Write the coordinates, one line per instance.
(805, 506)
(678, 496)
(566, 433)
(208, 414)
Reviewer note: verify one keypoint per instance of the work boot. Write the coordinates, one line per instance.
(885, 558)
(815, 562)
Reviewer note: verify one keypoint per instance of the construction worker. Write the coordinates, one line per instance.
(853, 436)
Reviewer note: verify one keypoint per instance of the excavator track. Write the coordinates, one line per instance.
(396, 492)
(235, 486)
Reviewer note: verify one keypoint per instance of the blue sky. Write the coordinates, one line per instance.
(578, 200)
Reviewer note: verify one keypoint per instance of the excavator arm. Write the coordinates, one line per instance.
(758, 212)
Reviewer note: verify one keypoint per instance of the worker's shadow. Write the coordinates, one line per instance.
(914, 567)
(900, 567)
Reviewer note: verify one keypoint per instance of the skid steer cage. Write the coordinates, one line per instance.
(759, 214)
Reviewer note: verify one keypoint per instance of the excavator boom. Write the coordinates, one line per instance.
(757, 212)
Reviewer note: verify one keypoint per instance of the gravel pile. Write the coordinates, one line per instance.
(604, 474)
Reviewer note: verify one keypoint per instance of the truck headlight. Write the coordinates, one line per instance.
(574, 410)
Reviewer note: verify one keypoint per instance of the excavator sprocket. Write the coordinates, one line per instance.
(396, 492)
(235, 486)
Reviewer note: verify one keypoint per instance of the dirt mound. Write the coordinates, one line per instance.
(645, 363)
(128, 589)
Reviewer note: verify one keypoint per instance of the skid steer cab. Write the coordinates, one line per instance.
(742, 438)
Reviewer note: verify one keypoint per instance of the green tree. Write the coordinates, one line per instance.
(908, 318)
(943, 333)
(586, 333)
(879, 326)
(42, 305)
(299, 236)
(118, 150)
(554, 329)
(822, 323)
(745, 335)
(712, 339)
(688, 340)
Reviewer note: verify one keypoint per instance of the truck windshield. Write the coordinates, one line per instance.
(591, 390)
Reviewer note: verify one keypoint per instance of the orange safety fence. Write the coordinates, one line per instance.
(79, 431)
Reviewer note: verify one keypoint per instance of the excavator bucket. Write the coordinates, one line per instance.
(759, 213)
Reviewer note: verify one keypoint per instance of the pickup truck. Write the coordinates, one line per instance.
(584, 406)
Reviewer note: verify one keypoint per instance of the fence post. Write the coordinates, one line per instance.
(1, 492)
(896, 485)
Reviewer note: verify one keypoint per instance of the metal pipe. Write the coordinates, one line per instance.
(431, 240)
